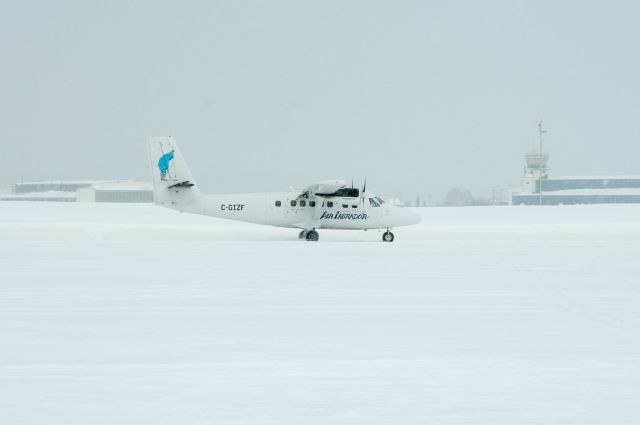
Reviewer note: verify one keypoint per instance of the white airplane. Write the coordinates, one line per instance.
(325, 205)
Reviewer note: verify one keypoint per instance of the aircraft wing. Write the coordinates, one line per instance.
(324, 187)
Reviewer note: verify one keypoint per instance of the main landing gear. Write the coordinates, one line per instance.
(310, 235)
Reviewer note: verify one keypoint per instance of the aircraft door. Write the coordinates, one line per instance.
(315, 208)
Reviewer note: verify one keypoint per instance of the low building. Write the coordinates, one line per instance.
(83, 191)
(52, 186)
(44, 196)
(127, 192)
(583, 190)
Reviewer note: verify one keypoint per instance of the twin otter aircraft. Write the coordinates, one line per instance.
(324, 205)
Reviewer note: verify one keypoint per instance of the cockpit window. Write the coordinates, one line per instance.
(347, 192)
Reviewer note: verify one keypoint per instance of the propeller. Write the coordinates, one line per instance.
(364, 189)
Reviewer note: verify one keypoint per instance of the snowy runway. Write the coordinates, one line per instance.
(133, 314)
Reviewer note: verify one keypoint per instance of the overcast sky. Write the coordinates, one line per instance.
(417, 96)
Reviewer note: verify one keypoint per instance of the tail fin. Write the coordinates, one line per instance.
(173, 184)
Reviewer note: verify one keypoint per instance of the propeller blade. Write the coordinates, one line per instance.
(364, 188)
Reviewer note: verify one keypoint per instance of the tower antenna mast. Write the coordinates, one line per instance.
(540, 133)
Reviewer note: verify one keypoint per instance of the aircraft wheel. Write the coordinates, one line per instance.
(312, 235)
(302, 234)
(387, 236)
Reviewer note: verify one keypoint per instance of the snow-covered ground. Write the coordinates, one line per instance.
(131, 314)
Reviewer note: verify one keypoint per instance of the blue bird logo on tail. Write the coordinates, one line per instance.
(163, 164)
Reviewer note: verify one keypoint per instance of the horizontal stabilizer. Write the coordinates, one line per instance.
(185, 183)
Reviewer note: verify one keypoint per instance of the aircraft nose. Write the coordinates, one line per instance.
(410, 217)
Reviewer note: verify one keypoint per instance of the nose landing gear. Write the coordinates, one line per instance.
(387, 236)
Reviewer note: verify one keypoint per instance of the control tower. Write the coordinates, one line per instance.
(538, 189)
(535, 168)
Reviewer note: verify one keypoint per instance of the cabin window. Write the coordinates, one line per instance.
(303, 203)
(312, 203)
(354, 206)
(345, 206)
(330, 204)
(278, 203)
(293, 203)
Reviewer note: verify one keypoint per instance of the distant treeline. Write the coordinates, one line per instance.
(455, 198)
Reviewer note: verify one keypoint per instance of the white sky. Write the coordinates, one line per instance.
(416, 96)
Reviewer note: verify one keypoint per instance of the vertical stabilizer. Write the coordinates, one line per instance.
(173, 184)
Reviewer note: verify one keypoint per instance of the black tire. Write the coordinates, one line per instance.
(388, 236)
(312, 235)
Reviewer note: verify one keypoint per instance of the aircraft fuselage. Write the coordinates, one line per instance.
(288, 209)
